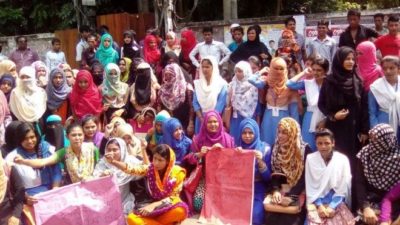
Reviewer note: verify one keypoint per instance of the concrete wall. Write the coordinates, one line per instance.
(39, 42)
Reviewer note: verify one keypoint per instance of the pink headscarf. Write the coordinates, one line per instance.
(368, 68)
(205, 138)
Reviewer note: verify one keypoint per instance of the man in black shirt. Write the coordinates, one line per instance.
(355, 33)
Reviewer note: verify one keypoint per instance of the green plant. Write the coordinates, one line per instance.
(11, 20)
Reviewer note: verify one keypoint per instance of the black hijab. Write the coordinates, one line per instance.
(131, 50)
(97, 78)
(10, 137)
(345, 80)
(251, 48)
(143, 86)
(54, 134)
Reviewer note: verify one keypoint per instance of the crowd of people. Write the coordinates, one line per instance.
(322, 121)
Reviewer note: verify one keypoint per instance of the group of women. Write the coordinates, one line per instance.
(316, 161)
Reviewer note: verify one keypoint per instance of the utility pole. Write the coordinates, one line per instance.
(230, 9)
(169, 26)
(77, 6)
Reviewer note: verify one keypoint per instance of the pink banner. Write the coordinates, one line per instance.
(92, 202)
(229, 187)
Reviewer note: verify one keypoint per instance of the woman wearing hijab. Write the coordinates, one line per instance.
(42, 73)
(154, 135)
(105, 53)
(250, 140)
(377, 171)
(104, 168)
(57, 94)
(175, 96)
(5, 117)
(85, 97)
(172, 44)
(130, 49)
(54, 132)
(97, 72)
(313, 117)
(8, 67)
(288, 166)
(28, 101)
(210, 90)
(328, 183)
(170, 58)
(7, 84)
(188, 42)
(281, 101)
(384, 97)
(343, 101)
(253, 46)
(144, 90)
(69, 73)
(133, 144)
(115, 93)
(211, 136)
(151, 53)
(367, 66)
(12, 194)
(167, 206)
(124, 65)
(174, 136)
(242, 99)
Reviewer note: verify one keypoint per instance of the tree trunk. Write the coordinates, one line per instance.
(227, 9)
(278, 7)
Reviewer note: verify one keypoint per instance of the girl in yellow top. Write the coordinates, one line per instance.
(164, 184)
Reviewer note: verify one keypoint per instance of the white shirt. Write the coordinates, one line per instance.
(54, 58)
(80, 47)
(216, 49)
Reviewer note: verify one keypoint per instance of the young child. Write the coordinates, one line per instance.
(55, 56)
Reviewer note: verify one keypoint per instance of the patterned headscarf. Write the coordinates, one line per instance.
(288, 158)
(244, 95)
(57, 95)
(381, 158)
(173, 91)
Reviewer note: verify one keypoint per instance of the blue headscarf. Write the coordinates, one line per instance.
(9, 78)
(181, 146)
(257, 144)
(104, 54)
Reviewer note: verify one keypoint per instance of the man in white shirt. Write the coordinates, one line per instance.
(323, 45)
(55, 56)
(82, 44)
(210, 47)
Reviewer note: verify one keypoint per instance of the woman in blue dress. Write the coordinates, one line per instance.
(210, 90)
(313, 115)
(281, 101)
(384, 96)
(250, 140)
(242, 99)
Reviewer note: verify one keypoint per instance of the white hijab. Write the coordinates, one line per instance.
(321, 178)
(244, 95)
(207, 95)
(28, 101)
(388, 100)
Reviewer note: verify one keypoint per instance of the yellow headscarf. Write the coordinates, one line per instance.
(125, 75)
(288, 158)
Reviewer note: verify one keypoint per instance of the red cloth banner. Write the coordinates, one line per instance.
(229, 187)
(92, 202)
